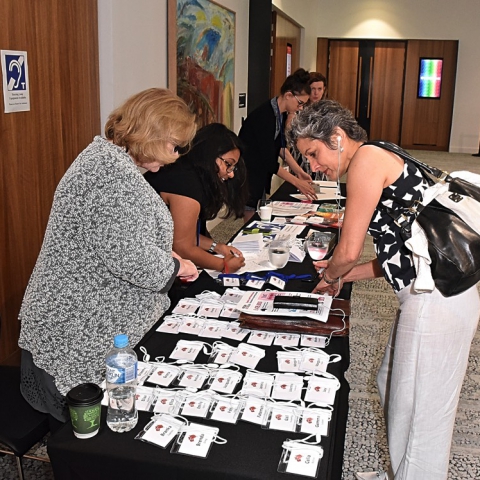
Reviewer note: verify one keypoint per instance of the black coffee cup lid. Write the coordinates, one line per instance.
(84, 395)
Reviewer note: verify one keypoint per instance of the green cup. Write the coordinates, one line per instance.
(84, 403)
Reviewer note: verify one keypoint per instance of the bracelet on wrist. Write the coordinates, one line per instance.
(212, 247)
(225, 267)
(329, 281)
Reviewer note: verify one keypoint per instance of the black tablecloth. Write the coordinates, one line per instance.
(251, 452)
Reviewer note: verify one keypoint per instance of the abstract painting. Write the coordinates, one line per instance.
(205, 59)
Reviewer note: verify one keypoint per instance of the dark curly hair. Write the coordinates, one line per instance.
(210, 143)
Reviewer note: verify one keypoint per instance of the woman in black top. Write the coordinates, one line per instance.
(211, 175)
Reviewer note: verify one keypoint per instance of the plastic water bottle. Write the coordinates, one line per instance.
(121, 362)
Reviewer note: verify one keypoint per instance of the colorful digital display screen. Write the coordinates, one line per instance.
(430, 78)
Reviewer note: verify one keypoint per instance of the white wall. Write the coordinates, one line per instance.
(133, 50)
(405, 19)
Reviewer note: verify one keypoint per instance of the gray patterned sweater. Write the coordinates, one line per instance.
(104, 267)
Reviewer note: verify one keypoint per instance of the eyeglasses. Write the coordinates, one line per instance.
(230, 168)
(300, 102)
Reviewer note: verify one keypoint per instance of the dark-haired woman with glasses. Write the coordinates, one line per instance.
(210, 176)
(263, 133)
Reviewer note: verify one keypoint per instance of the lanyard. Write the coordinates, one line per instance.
(245, 277)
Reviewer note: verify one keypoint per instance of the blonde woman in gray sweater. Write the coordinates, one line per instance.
(106, 261)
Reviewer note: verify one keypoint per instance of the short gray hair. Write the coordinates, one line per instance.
(320, 120)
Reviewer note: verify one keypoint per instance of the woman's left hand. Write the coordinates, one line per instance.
(324, 287)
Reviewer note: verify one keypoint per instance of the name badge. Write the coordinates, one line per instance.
(247, 355)
(195, 439)
(186, 350)
(225, 381)
(163, 375)
(255, 411)
(161, 430)
(322, 389)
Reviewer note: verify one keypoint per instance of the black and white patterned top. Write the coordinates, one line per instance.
(104, 267)
(394, 257)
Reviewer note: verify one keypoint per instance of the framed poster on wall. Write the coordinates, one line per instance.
(201, 58)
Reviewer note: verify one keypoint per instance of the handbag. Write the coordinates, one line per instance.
(444, 231)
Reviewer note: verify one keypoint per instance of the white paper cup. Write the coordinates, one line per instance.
(265, 213)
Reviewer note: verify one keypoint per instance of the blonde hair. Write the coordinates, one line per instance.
(149, 120)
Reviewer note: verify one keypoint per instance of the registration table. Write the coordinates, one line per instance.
(251, 452)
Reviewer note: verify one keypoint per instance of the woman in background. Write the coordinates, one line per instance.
(196, 188)
(263, 134)
(106, 261)
(426, 357)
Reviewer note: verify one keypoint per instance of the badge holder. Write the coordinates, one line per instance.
(210, 308)
(194, 404)
(287, 339)
(315, 360)
(144, 398)
(212, 329)
(287, 387)
(226, 408)
(186, 306)
(163, 374)
(143, 371)
(220, 353)
(247, 355)
(315, 419)
(235, 332)
(322, 388)
(300, 458)
(282, 416)
(317, 341)
(170, 324)
(196, 440)
(193, 376)
(257, 383)
(161, 430)
(166, 401)
(191, 324)
(261, 338)
(189, 349)
(224, 380)
(255, 410)
(289, 361)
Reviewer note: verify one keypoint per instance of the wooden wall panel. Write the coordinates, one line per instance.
(283, 31)
(343, 73)
(37, 147)
(427, 122)
(322, 56)
(387, 91)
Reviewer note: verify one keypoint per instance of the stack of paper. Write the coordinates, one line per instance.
(288, 209)
(249, 243)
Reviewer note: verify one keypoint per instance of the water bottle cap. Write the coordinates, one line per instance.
(120, 341)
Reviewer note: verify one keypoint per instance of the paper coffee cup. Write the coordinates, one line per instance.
(84, 404)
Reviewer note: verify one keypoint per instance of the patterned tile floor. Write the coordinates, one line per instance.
(373, 307)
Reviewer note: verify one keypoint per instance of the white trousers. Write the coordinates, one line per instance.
(421, 377)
